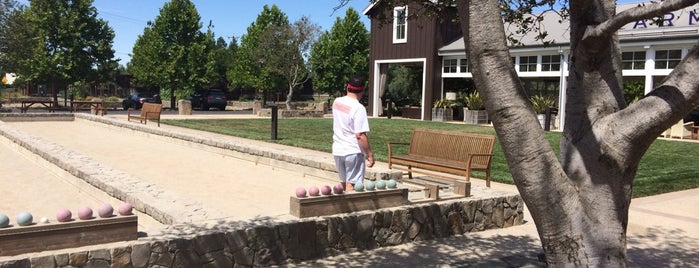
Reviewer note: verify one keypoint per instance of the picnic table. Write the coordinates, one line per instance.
(97, 106)
(26, 103)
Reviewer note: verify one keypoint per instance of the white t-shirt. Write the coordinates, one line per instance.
(349, 118)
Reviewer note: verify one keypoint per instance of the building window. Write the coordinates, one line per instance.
(667, 59)
(400, 24)
(463, 66)
(633, 60)
(450, 65)
(550, 63)
(527, 64)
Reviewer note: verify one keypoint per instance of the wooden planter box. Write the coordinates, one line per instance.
(347, 202)
(51, 236)
(475, 117)
(411, 112)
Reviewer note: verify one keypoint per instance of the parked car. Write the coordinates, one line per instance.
(136, 100)
(207, 98)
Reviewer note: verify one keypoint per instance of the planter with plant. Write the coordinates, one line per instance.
(540, 103)
(442, 110)
(474, 112)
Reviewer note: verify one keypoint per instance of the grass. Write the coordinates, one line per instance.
(668, 166)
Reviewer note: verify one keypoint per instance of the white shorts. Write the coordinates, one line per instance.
(350, 168)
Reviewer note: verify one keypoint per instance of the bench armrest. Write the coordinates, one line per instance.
(471, 156)
(390, 148)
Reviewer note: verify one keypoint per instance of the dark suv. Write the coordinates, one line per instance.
(207, 98)
(136, 100)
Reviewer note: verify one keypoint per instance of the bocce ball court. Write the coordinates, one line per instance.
(234, 188)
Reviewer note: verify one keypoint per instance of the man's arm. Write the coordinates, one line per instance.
(363, 141)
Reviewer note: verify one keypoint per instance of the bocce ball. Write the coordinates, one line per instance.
(359, 187)
(369, 185)
(337, 189)
(44, 220)
(105, 211)
(24, 219)
(325, 190)
(4, 221)
(85, 213)
(300, 192)
(63, 215)
(125, 209)
(313, 191)
(380, 184)
(390, 184)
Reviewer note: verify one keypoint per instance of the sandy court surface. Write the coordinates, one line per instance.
(40, 188)
(240, 189)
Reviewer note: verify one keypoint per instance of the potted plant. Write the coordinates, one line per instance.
(474, 112)
(442, 110)
(540, 103)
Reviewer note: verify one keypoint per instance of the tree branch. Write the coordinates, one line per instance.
(635, 14)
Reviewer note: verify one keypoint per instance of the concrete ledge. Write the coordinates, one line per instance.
(18, 117)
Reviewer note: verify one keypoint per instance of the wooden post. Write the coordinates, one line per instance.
(432, 191)
(462, 188)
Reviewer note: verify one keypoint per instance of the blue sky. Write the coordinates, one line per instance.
(230, 18)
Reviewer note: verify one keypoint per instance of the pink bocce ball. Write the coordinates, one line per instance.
(85, 213)
(105, 211)
(313, 191)
(125, 209)
(300, 192)
(325, 190)
(63, 215)
(337, 189)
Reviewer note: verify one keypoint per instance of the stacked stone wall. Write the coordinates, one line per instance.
(263, 243)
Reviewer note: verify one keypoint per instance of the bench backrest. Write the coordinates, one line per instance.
(151, 110)
(451, 145)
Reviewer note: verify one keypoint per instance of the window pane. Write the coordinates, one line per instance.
(627, 55)
(463, 65)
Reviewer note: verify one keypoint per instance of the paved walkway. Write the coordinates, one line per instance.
(663, 229)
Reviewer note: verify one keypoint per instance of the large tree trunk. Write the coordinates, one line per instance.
(579, 202)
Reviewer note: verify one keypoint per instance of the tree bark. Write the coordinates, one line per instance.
(579, 202)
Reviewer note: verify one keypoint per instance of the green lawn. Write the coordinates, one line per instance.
(667, 166)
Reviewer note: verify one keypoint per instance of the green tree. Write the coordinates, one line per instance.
(247, 70)
(340, 53)
(60, 42)
(12, 25)
(223, 56)
(172, 53)
(283, 50)
(404, 88)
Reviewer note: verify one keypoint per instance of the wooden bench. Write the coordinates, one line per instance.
(149, 111)
(444, 152)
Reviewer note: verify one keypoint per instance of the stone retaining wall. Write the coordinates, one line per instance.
(262, 243)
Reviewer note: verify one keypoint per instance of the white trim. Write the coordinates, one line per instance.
(395, 25)
(376, 99)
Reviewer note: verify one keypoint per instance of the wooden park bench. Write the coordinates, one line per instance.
(435, 152)
(149, 111)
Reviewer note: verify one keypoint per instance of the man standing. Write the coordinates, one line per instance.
(350, 142)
